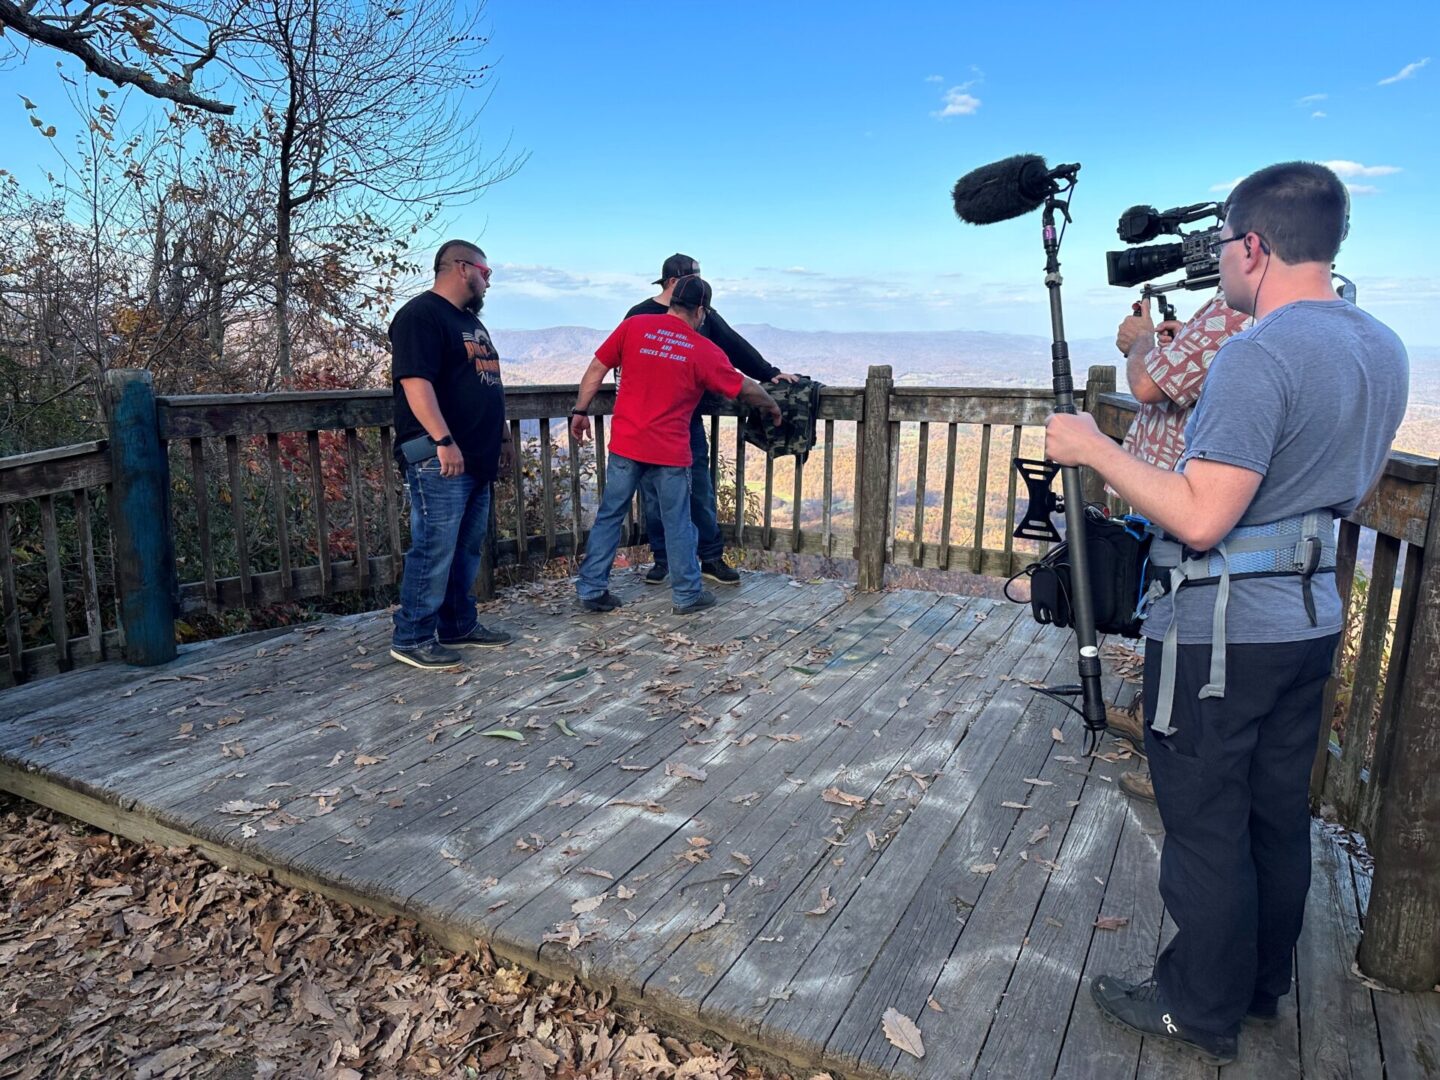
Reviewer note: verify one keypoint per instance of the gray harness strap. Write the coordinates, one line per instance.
(1297, 545)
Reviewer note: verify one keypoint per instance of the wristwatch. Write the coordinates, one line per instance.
(446, 441)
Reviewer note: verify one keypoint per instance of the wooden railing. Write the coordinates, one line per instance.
(289, 497)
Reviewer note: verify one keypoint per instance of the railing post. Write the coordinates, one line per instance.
(140, 518)
(872, 501)
(1401, 946)
(1099, 380)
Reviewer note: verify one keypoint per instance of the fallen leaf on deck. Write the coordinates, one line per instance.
(1038, 782)
(826, 902)
(596, 873)
(685, 772)
(842, 798)
(783, 738)
(805, 670)
(710, 920)
(1015, 805)
(1112, 922)
(902, 1033)
(588, 904)
(568, 675)
(1039, 834)
(1056, 734)
(984, 868)
(362, 760)
(505, 733)
(741, 858)
(622, 893)
(565, 729)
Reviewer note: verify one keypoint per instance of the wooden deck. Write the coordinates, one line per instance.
(772, 822)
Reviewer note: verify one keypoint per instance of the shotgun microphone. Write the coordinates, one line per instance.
(1006, 189)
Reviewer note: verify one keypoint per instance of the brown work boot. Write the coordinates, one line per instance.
(1138, 785)
(1128, 723)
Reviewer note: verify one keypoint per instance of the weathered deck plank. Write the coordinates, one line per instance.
(913, 707)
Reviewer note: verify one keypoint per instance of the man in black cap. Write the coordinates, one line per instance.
(703, 508)
(668, 366)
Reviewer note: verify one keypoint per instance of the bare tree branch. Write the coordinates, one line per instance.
(74, 34)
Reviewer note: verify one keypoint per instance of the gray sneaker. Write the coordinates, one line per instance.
(706, 599)
(657, 574)
(431, 656)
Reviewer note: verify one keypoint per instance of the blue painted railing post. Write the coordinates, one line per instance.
(140, 518)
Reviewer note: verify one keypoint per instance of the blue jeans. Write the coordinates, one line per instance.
(710, 545)
(668, 487)
(449, 517)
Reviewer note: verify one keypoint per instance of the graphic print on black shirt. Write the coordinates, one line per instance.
(432, 339)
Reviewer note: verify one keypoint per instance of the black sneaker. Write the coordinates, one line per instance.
(1137, 1006)
(606, 601)
(720, 572)
(657, 574)
(1263, 1011)
(479, 638)
(706, 599)
(432, 656)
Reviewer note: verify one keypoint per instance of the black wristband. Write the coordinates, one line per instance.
(579, 412)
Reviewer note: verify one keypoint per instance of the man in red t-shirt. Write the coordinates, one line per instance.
(668, 366)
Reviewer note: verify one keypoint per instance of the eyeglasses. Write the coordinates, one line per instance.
(1217, 244)
(484, 270)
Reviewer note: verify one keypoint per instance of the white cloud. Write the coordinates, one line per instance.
(1363, 189)
(1407, 72)
(1318, 115)
(958, 103)
(935, 78)
(1227, 185)
(1348, 169)
(1311, 99)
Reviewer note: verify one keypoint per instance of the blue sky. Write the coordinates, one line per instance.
(804, 153)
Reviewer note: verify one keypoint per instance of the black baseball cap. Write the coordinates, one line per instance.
(677, 265)
(691, 292)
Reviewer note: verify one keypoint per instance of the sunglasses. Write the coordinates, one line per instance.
(484, 270)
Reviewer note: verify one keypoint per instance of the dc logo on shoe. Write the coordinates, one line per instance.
(1170, 1028)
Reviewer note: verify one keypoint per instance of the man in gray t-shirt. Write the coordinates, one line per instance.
(1296, 419)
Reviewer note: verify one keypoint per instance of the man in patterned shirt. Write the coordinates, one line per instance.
(1166, 379)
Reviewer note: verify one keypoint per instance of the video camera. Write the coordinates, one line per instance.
(1192, 253)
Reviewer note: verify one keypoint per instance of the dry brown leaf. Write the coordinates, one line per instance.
(1038, 782)
(842, 798)
(593, 872)
(362, 760)
(1015, 805)
(984, 868)
(1039, 834)
(711, 920)
(826, 902)
(588, 904)
(623, 893)
(934, 1005)
(685, 772)
(1112, 922)
(901, 1033)
(1057, 734)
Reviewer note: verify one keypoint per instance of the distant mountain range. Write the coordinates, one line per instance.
(921, 357)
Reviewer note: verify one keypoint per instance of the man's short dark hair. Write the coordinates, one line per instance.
(1300, 208)
(449, 244)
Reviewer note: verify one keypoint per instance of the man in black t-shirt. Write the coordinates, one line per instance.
(450, 437)
(703, 508)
